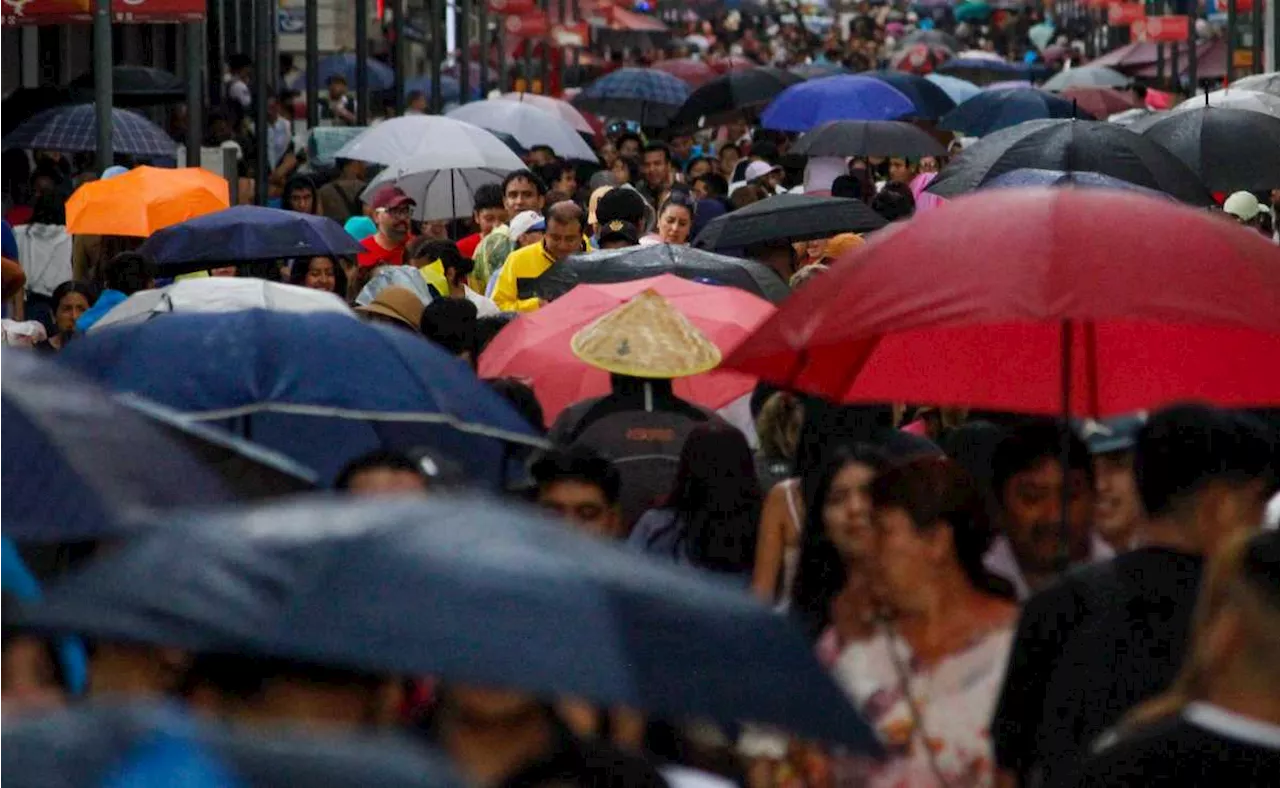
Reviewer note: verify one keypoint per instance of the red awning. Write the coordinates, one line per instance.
(45, 12)
(70, 12)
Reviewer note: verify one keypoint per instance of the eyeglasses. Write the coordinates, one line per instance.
(399, 212)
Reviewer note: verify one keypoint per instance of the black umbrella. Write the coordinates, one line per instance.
(25, 103)
(641, 262)
(788, 217)
(932, 102)
(933, 38)
(135, 86)
(732, 93)
(1230, 149)
(146, 745)
(1069, 146)
(468, 589)
(868, 138)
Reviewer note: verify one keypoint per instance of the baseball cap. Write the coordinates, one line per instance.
(1118, 433)
(390, 197)
(618, 230)
(526, 222)
(1244, 206)
(396, 303)
(758, 169)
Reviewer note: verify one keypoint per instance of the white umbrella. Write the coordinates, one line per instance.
(452, 144)
(1234, 98)
(530, 126)
(439, 192)
(220, 294)
(561, 109)
(980, 54)
(1263, 83)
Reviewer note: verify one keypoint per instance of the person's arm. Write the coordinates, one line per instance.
(770, 544)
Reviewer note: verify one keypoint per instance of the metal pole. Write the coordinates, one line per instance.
(1231, 40)
(262, 25)
(482, 22)
(437, 55)
(102, 90)
(400, 52)
(464, 50)
(362, 62)
(1257, 65)
(195, 91)
(544, 68)
(500, 38)
(237, 28)
(312, 64)
(1193, 60)
(215, 33)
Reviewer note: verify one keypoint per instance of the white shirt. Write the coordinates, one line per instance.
(45, 252)
(485, 307)
(1001, 561)
(279, 135)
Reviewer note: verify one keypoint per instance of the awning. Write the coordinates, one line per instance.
(69, 12)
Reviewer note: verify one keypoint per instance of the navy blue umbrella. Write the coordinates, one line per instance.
(468, 589)
(74, 128)
(247, 233)
(77, 464)
(153, 745)
(450, 88)
(931, 101)
(320, 388)
(1090, 180)
(854, 97)
(343, 64)
(993, 110)
(982, 71)
(645, 95)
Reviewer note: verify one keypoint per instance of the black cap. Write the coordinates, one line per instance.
(618, 230)
(621, 204)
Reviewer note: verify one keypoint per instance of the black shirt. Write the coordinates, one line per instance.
(1088, 649)
(1177, 752)
(580, 763)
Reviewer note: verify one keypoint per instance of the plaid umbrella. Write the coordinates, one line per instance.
(644, 95)
(324, 141)
(74, 128)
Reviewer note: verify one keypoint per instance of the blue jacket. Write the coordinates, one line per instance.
(109, 300)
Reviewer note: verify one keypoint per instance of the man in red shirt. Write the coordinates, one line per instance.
(392, 211)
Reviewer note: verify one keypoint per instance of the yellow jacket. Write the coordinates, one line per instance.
(514, 291)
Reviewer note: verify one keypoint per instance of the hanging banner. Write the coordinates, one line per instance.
(534, 25)
(1161, 28)
(519, 7)
(1125, 14)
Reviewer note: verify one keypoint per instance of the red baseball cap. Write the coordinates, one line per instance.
(391, 197)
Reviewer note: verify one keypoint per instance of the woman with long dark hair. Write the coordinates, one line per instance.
(70, 300)
(319, 273)
(710, 518)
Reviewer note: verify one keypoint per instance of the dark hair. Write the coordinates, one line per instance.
(49, 209)
(521, 397)
(238, 61)
(1183, 448)
(83, 288)
(661, 147)
(299, 268)
(933, 490)
(130, 272)
(246, 677)
(746, 194)
(552, 170)
(717, 186)
(565, 212)
(847, 186)
(487, 196)
(716, 495)
(765, 150)
(432, 249)
(1026, 445)
(544, 149)
(622, 205)
(579, 464)
(300, 183)
(633, 167)
(681, 198)
(336, 77)
(375, 460)
(821, 573)
(527, 175)
(628, 135)
(413, 96)
(487, 328)
(895, 201)
(450, 323)
(727, 145)
(696, 159)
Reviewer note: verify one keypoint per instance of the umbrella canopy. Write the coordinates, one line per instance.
(731, 94)
(931, 102)
(79, 464)
(1101, 102)
(220, 294)
(536, 347)
(789, 217)
(1230, 149)
(613, 266)
(932, 37)
(1136, 119)
(983, 70)
(1087, 77)
(641, 94)
(731, 63)
(1041, 35)
(561, 109)
(993, 110)
(868, 138)
(695, 73)
(812, 103)
(958, 89)
(447, 143)
(244, 234)
(442, 192)
(343, 64)
(818, 70)
(21, 104)
(276, 377)
(74, 129)
(921, 59)
(144, 200)
(972, 12)
(986, 324)
(468, 589)
(450, 88)
(1262, 83)
(1234, 99)
(136, 86)
(143, 745)
(529, 125)
(325, 141)
(1089, 180)
(1071, 145)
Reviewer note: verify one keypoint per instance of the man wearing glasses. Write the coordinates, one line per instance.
(392, 212)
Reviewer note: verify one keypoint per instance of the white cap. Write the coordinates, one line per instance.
(1244, 206)
(758, 169)
(523, 223)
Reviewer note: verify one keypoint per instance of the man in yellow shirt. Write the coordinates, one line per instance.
(515, 290)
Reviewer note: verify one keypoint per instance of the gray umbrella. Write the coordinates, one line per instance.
(1087, 77)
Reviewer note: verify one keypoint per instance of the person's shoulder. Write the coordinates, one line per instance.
(1166, 752)
(371, 244)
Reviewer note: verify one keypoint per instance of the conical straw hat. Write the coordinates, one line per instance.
(646, 338)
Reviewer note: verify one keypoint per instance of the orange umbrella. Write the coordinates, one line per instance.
(145, 199)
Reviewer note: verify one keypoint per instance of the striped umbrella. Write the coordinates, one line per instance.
(74, 129)
(641, 94)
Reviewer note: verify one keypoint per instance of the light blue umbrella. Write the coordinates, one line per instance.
(960, 90)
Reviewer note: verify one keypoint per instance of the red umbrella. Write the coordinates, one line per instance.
(1018, 299)
(535, 346)
(732, 63)
(694, 72)
(1101, 102)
